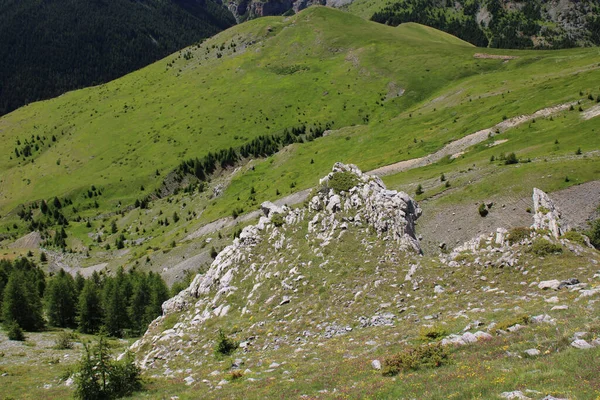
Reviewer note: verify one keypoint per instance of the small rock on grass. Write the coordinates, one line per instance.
(189, 380)
(581, 344)
(376, 364)
(532, 352)
(516, 394)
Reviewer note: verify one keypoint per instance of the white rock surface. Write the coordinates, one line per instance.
(546, 214)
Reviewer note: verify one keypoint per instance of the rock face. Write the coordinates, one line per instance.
(547, 216)
(393, 214)
(230, 286)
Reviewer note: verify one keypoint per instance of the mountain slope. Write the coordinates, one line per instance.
(49, 48)
(321, 296)
(386, 95)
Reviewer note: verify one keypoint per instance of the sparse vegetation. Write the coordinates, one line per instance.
(225, 345)
(543, 247)
(277, 219)
(99, 376)
(416, 357)
(518, 234)
(512, 321)
(433, 333)
(483, 211)
(65, 340)
(342, 181)
(14, 331)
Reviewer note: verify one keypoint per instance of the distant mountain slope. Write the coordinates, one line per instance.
(49, 48)
(498, 23)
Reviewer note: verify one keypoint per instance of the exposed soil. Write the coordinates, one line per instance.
(30, 241)
(591, 112)
(456, 224)
(494, 56)
(462, 144)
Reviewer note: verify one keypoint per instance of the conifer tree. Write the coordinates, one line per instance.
(89, 308)
(21, 303)
(61, 300)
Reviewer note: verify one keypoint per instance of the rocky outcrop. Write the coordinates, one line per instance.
(366, 208)
(393, 214)
(546, 215)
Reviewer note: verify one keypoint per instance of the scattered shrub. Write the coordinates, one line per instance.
(542, 247)
(413, 358)
(517, 235)
(64, 341)
(235, 375)
(99, 376)
(419, 190)
(432, 333)
(575, 237)
(594, 234)
(507, 323)
(14, 331)
(483, 211)
(343, 181)
(225, 346)
(511, 158)
(277, 219)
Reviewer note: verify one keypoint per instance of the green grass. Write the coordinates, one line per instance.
(117, 135)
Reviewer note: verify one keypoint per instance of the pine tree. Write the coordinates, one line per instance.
(61, 300)
(89, 308)
(21, 303)
(79, 283)
(159, 294)
(115, 307)
(140, 300)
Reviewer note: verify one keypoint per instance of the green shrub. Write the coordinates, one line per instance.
(575, 237)
(64, 340)
(225, 346)
(511, 158)
(542, 247)
(418, 357)
(507, 323)
(235, 375)
(483, 211)
(277, 219)
(99, 376)
(14, 331)
(517, 235)
(432, 333)
(594, 234)
(419, 190)
(343, 181)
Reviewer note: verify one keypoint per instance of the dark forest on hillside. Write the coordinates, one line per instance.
(512, 29)
(50, 47)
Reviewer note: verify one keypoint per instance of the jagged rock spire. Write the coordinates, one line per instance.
(547, 215)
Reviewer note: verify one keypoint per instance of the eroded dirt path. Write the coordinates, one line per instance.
(462, 144)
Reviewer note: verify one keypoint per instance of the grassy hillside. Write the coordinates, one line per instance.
(390, 94)
(53, 47)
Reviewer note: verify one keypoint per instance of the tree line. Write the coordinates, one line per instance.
(261, 146)
(506, 29)
(121, 305)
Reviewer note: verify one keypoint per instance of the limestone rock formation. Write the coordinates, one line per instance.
(263, 251)
(547, 215)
